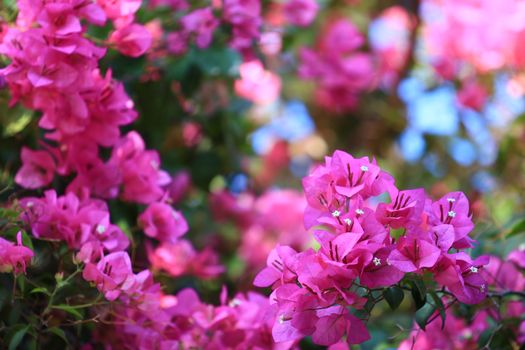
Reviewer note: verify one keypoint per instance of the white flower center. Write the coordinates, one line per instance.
(452, 214)
(451, 200)
(364, 168)
(474, 269)
(348, 221)
(377, 261)
(281, 319)
(467, 334)
(336, 213)
(235, 302)
(359, 212)
(482, 288)
(101, 229)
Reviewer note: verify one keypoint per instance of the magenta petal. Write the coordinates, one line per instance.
(401, 262)
(266, 277)
(329, 329)
(356, 331)
(429, 254)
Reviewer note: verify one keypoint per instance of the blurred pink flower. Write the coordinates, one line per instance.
(473, 95)
(114, 276)
(301, 12)
(202, 23)
(257, 84)
(132, 40)
(38, 169)
(14, 257)
(181, 259)
(162, 222)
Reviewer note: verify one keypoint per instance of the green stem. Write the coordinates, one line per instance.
(57, 288)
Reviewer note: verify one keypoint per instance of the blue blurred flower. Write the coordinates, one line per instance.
(412, 145)
(292, 124)
(462, 151)
(483, 181)
(434, 112)
(238, 183)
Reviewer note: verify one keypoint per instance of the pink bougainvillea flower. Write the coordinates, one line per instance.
(404, 210)
(301, 12)
(38, 169)
(73, 219)
(257, 84)
(179, 186)
(116, 9)
(518, 256)
(462, 277)
(180, 258)
(113, 275)
(412, 254)
(379, 273)
(14, 257)
(245, 18)
(142, 178)
(340, 71)
(280, 266)
(453, 209)
(202, 23)
(132, 40)
(162, 222)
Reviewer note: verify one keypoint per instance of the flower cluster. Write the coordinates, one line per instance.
(502, 277)
(484, 34)
(14, 257)
(366, 242)
(182, 320)
(199, 25)
(54, 70)
(81, 222)
(260, 228)
(341, 71)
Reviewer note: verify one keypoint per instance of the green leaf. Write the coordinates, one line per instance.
(26, 240)
(394, 296)
(17, 125)
(438, 303)
(21, 281)
(423, 314)
(69, 309)
(59, 333)
(517, 228)
(40, 290)
(497, 337)
(419, 293)
(17, 338)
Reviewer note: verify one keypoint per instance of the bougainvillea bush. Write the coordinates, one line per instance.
(248, 174)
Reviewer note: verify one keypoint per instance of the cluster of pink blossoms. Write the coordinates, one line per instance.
(315, 288)
(243, 17)
(184, 321)
(54, 70)
(502, 276)
(199, 25)
(14, 257)
(341, 71)
(260, 228)
(484, 34)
